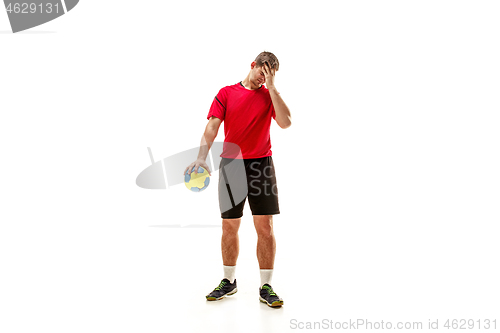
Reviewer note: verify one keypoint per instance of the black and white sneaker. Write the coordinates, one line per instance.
(268, 296)
(224, 289)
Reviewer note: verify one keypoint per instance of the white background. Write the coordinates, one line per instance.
(388, 178)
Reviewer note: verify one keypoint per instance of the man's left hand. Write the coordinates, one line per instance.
(269, 74)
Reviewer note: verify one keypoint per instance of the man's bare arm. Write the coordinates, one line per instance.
(207, 140)
(283, 116)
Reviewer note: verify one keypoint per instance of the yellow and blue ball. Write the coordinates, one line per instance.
(197, 182)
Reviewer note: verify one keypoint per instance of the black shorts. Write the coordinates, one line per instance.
(253, 178)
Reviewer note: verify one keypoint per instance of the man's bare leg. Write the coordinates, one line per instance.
(230, 250)
(230, 242)
(266, 243)
(266, 251)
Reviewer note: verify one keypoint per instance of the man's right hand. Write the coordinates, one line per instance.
(196, 164)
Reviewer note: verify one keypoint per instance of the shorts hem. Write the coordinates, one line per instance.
(275, 213)
(229, 218)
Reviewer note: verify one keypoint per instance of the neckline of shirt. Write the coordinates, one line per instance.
(241, 84)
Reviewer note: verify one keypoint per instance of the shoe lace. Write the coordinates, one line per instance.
(221, 285)
(270, 291)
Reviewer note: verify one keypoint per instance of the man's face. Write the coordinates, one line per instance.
(258, 75)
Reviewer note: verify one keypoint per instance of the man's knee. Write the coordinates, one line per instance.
(263, 225)
(230, 226)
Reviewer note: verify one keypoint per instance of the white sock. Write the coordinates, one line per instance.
(229, 272)
(266, 276)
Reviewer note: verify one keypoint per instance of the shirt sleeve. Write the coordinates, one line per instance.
(218, 108)
(273, 112)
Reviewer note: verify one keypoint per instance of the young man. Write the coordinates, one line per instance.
(247, 108)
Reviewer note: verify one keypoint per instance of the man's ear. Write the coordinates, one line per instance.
(253, 64)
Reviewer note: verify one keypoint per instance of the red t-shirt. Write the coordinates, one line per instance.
(247, 120)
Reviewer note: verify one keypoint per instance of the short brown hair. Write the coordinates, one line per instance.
(268, 57)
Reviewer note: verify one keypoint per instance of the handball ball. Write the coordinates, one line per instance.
(197, 182)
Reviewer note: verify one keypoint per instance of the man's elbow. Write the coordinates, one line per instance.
(286, 123)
